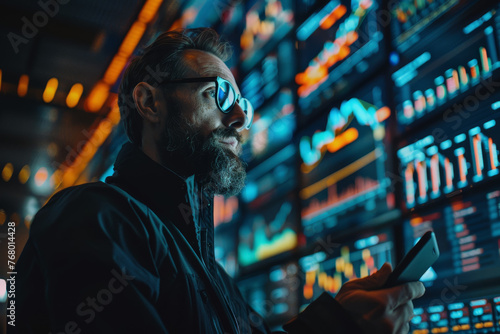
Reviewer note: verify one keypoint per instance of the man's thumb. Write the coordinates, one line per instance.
(378, 279)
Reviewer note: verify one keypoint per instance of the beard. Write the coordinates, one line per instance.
(218, 169)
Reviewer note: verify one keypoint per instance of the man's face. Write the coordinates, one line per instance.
(196, 131)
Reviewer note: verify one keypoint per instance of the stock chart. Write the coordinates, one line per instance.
(337, 263)
(446, 96)
(465, 316)
(272, 179)
(265, 23)
(468, 229)
(339, 44)
(272, 128)
(438, 165)
(448, 74)
(343, 166)
(375, 122)
(271, 231)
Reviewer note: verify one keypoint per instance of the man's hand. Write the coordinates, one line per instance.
(380, 310)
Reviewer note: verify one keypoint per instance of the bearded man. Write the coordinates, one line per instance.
(135, 254)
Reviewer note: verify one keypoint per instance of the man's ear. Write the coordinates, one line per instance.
(144, 96)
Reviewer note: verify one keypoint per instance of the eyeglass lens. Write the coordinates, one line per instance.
(226, 95)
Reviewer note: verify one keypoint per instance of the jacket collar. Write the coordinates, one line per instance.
(170, 196)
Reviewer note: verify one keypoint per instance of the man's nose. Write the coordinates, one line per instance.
(235, 118)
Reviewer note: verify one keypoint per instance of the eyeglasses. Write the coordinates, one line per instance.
(226, 97)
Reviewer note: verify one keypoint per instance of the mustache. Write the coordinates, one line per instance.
(226, 133)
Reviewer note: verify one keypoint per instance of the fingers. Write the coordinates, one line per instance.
(404, 293)
(402, 316)
(406, 328)
(391, 321)
(385, 270)
(374, 281)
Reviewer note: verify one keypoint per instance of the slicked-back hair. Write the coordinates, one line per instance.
(161, 61)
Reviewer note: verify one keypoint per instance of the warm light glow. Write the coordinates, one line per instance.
(22, 88)
(27, 221)
(149, 10)
(41, 176)
(329, 20)
(114, 115)
(100, 92)
(342, 140)
(56, 179)
(74, 95)
(3, 216)
(68, 175)
(333, 51)
(382, 114)
(224, 209)
(24, 174)
(308, 291)
(187, 18)
(50, 90)
(7, 172)
(416, 221)
(132, 38)
(14, 218)
(97, 97)
(52, 149)
(115, 68)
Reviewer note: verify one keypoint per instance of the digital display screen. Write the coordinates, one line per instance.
(273, 293)
(409, 18)
(467, 230)
(269, 231)
(450, 73)
(265, 24)
(225, 238)
(276, 70)
(226, 214)
(357, 149)
(226, 210)
(336, 263)
(339, 45)
(344, 168)
(272, 128)
(451, 156)
(272, 179)
(479, 315)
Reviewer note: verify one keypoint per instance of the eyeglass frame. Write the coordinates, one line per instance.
(216, 79)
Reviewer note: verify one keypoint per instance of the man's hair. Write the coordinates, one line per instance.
(163, 61)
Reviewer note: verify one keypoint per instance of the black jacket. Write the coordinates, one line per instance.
(136, 255)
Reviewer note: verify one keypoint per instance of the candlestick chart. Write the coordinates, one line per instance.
(455, 68)
(328, 269)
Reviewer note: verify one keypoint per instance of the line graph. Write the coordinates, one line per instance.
(266, 235)
(337, 134)
(343, 166)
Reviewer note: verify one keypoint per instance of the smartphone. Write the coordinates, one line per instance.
(416, 261)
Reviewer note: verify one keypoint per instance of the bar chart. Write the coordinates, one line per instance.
(354, 259)
(453, 68)
(431, 170)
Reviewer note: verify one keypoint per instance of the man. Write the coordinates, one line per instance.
(136, 254)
